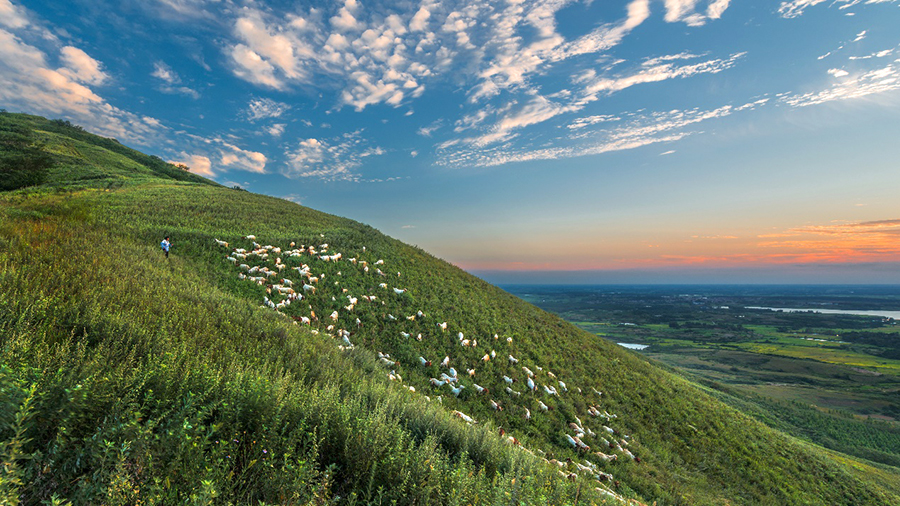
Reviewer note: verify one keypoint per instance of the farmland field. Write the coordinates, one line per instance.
(813, 370)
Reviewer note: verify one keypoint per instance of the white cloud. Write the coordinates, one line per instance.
(637, 130)
(276, 130)
(333, 159)
(419, 21)
(12, 16)
(198, 164)
(262, 108)
(185, 8)
(427, 130)
(686, 11)
(81, 67)
(234, 157)
(252, 67)
(860, 36)
(164, 72)
(795, 8)
(592, 120)
(29, 82)
(850, 86)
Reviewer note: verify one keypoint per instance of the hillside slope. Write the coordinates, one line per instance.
(128, 377)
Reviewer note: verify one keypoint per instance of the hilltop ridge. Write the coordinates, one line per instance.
(129, 377)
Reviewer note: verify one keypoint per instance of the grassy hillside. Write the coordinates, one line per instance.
(126, 377)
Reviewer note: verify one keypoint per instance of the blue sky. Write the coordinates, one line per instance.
(726, 140)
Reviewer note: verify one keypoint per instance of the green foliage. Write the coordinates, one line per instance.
(164, 381)
(63, 155)
(22, 161)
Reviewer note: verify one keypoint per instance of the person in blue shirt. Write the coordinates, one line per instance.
(165, 245)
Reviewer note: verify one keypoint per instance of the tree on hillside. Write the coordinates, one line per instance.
(22, 161)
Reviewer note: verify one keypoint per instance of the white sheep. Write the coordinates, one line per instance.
(466, 418)
(424, 362)
(513, 360)
(512, 392)
(445, 362)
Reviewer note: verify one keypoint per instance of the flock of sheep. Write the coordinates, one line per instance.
(523, 388)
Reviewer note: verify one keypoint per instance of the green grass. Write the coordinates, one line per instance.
(128, 378)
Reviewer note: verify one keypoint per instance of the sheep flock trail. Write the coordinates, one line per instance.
(268, 267)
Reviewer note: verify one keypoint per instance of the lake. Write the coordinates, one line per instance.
(632, 346)
(860, 312)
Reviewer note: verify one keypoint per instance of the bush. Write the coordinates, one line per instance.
(22, 161)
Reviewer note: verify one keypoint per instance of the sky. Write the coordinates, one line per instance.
(644, 141)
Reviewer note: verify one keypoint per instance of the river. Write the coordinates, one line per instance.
(860, 312)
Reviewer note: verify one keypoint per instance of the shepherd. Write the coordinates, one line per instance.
(165, 245)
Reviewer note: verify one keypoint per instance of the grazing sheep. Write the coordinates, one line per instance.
(399, 291)
(470, 372)
(456, 391)
(466, 418)
(485, 358)
(445, 362)
(231, 259)
(563, 386)
(543, 406)
(496, 406)
(480, 389)
(250, 237)
(513, 360)
(531, 385)
(334, 315)
(512, 392)
(508, 379)
(528, 371)
(404, 334)
(424, 362)
(606, 458)
(443, 325)
(527, 414)
(437, 383)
